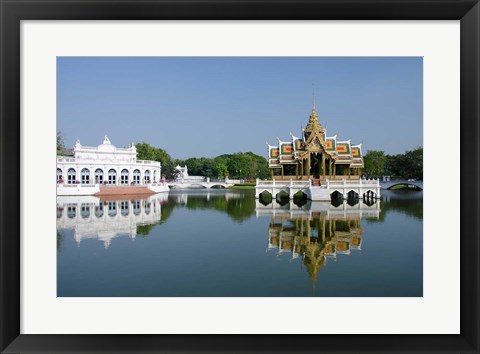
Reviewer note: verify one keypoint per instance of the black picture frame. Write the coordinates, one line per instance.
(14, 11)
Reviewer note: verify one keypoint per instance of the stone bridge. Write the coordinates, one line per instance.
(203, 183)
(390, 184)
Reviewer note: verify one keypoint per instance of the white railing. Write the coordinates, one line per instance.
(66, 159)
(75, 185)
(301, 183)
(359, 183)
(148, 162)
(233, 181)
(328, 183)
(283, 183)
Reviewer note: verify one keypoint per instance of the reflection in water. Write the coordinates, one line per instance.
(239, 206)
(264, 249)
(316, 231)
(105, 219)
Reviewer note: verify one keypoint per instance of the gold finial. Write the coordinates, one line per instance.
(313, 97)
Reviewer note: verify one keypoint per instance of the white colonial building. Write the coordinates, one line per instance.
(92, 169)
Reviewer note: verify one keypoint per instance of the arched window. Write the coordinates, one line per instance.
(99, 210)
(112, 208)
(136, 207)
(85, 211)
(71, 212)
(112, 176)
(147, 176)
(136, 176)
(85, 176)
(99, 176)
(71, 176)
(59, 176)
(124, 208)
(124, 176)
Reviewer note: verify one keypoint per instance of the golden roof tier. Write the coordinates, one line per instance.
(315, 155)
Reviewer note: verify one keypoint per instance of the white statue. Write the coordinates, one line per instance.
(181, 172)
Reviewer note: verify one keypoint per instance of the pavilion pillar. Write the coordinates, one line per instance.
(271, 173)
(334, 170)
(309, 166)
(296, 170)
(308, 231)
(301, 169)
(323, 165)
(323, 227)
(282, 171)
(319, 169)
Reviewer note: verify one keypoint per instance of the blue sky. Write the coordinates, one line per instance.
(208, 106)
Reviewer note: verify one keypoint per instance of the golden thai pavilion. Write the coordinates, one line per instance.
(315, 155)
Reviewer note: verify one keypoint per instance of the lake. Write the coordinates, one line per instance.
(226, 243)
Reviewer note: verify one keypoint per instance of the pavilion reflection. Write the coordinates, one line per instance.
(316, 231)
(107, 218)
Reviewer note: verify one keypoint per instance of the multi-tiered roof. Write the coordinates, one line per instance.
(314, 139)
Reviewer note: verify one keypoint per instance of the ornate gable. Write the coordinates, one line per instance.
(314, 125)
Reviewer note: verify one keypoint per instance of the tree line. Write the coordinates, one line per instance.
(240, 165)
(249, 166)
(408, 165)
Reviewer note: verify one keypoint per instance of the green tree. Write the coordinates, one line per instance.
(375, 162)
(244, 165)
(414, 166)
(147, 152)
(194, 166)
(221, 169)
(407, 165)
(60, 144)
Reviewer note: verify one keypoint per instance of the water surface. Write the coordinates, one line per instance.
(226, 243)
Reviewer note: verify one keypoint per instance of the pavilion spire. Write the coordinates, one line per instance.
(313, 97)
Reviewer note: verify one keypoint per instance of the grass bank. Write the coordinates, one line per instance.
(243, 186)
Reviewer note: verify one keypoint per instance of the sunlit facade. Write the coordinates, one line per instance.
(316, 155)
(91, 168)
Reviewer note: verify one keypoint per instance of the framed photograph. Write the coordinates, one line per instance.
(292, 173)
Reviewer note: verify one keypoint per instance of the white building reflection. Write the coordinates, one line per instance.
(106, 219)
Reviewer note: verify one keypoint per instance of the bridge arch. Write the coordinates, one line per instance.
(300, 195)
(369, 194)
(336, 195)
(218, 185)
(282, 194)
(416, 185)
(352, 194)
(265, 193)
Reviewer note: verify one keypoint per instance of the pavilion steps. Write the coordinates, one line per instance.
(124, 190)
